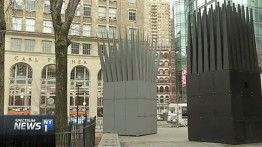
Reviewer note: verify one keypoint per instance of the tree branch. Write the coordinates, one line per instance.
(69, 15)
(55, 8)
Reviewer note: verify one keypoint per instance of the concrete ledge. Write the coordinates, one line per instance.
(109, 140)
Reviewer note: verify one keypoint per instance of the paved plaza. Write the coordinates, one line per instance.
(171, 137)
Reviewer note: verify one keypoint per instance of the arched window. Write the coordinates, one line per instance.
(80, 73)
(166, 89)
(167, 99)
(79, 82)
(166, 80)
(161, 71)
(157, 90)
(161, 99)
(20, 91)
(161, 89)
(166, 71)
(47, 101)
(161, 80)
(100, 94)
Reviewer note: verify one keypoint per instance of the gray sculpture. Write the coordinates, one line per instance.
(129, 98)
(224, 89)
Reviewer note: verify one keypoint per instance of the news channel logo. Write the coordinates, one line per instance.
(47, 125)
(32, 124)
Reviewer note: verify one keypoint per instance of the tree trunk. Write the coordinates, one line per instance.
(61, 30)
(2, 56)
(61, 45)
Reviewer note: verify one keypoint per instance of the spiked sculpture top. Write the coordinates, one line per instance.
(223, 39)
(129, 98)
(224, 90)
(130, 60)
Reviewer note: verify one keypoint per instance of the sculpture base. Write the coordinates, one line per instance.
(130, 108)
(224, 107)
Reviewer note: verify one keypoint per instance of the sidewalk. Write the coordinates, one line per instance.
(171, 137)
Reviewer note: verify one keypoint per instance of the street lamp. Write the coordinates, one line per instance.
(78, 86)
(84, 103)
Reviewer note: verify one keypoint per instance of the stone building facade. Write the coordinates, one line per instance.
(30, 58)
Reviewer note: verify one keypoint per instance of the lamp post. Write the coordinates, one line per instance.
(84, 103)
(78, 86)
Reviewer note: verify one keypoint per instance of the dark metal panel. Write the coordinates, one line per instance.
(218, 38)
(231, 37)
(241, 41)
(194, 45)
(245, 27)
(206, 42)
(200, 43)
(212, 40)
(225, 51)
(251, 47)
(236, 50)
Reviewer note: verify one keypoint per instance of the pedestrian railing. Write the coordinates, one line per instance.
(79, 135)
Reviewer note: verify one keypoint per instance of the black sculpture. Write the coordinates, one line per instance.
(224, 90)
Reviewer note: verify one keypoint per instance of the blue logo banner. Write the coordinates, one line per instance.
(27, 130)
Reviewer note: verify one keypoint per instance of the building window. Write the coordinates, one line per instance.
(87, 10)
(30, 5)
(30, 25)
(102, 31)
(48, 89)
(79, 76)
(17, 23)
(86, 30)
(29, 45)
(112, 32)
(75, 29)
(112, 13)
(102, 48)
(161, 89)
(75, 48)
(47, 46)
(99, 77)
(16, 44)
(101, 12)
(47, 26)
(132, 33)
(20, 89)
(77, 12)
(132, 15)
(47, 6)
(17, 4)
(132, 1)
(86, 49)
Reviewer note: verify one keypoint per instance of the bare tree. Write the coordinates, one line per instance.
(61, 30)
(2, 55)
